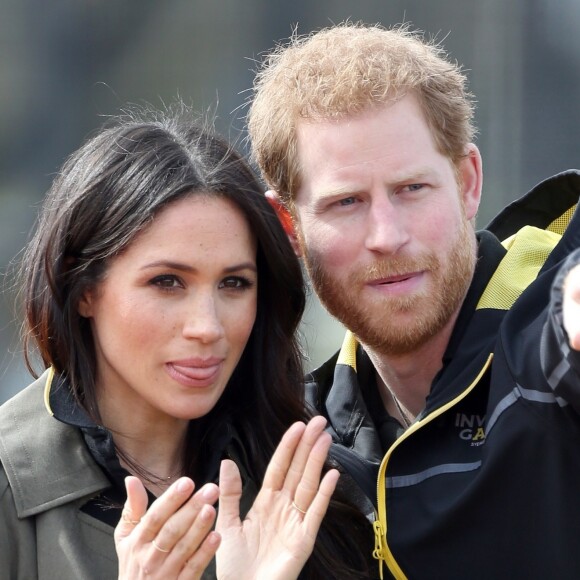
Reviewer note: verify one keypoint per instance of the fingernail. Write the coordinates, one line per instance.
(183, 485)
(214, 538)
(208, 491)
(206, 513)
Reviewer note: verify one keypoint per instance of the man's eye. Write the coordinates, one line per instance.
(415, 186)
(347, 201)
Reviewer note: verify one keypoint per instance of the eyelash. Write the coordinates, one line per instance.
(242, 283)
(351, 201)
(162, 281)
(414, 187)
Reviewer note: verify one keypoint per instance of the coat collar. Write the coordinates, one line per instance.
(46, 461)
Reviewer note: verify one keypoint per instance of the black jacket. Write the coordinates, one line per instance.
(485, 483)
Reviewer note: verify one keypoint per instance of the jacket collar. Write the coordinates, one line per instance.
(548, 206)
(46, 461)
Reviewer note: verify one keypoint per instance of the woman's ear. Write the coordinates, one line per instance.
(285, 219)
(85, 305)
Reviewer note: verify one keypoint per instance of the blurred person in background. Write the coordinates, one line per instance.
(456, 382)
(163, 297)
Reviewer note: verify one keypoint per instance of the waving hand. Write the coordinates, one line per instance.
(277, 536)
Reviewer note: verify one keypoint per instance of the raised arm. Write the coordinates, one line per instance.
(560, 349)
(571, 306)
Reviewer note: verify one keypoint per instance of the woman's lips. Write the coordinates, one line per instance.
(195, 373)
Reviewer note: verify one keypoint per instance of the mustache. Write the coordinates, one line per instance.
(395, 266)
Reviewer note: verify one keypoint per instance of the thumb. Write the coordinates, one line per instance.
(571, 307)
(134, 508)
(230, 494)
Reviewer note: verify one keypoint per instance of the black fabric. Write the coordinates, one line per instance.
(550, 198)
(363, 472)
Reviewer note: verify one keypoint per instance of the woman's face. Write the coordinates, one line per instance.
(174, 312)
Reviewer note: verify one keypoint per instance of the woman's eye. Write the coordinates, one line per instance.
(235, 283)
(414, 186)
(166, 281)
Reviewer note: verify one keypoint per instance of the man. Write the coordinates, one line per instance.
(456, 374)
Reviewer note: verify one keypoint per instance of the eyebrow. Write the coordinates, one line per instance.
(339, 190)
(324, 196)
(413, 175)
(416, 174)
(189, 269)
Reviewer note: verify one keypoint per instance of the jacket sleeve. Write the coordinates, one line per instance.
(18, 538)
(560, 363)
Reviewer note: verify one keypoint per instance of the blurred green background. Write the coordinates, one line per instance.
(65, 65)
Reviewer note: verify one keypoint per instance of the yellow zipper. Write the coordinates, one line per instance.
(381, 551)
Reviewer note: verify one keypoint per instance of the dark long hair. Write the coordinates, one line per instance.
(109, 191)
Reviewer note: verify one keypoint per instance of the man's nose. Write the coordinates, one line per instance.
(386, 227)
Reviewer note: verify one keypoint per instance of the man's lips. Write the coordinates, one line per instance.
(397, 285)
(394, 279)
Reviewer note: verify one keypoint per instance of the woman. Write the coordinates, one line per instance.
(163, 299)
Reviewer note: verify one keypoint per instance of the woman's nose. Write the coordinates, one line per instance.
(203, 321)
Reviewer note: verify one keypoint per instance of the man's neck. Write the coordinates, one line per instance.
(404, 380)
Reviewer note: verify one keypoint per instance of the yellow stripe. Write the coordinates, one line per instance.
(47, 386)
(347, 355)
(528, 250)
(560, 224)
(382, 550)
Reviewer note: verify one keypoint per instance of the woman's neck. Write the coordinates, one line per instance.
(148, 446)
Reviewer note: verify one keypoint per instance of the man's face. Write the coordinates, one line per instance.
(382, 221)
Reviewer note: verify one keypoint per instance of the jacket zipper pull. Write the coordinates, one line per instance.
(379, 551)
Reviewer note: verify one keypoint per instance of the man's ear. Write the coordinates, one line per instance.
(285, 219)
(471, 176)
